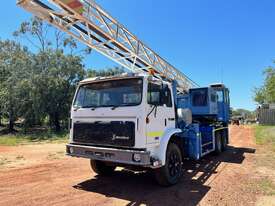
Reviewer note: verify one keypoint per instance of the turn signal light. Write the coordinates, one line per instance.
(151, 72)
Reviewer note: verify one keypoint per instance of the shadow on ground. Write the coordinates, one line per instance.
(140, 188)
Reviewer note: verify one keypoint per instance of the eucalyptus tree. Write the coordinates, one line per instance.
(266, 93)
(57, 68)
(14, 67)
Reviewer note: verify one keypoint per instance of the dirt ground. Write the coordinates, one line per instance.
(42, 175)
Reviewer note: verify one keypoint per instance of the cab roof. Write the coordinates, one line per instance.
(220, 85)
(117, 77)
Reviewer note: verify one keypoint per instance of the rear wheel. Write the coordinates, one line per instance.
(218, 143)
(171, 172)
(101, 168)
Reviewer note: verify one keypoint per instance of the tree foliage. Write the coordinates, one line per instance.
(56, 83)
(56, 70)
(14, 66)
(244, 113)
(266, 93)
(105, 72)
(38, 86)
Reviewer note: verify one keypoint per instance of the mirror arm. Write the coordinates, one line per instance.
(156, 108)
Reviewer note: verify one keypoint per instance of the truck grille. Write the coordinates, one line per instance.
(115, 133)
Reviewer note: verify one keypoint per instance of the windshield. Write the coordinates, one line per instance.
(126, 92)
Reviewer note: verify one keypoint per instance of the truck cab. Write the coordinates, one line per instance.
(142, 121)
(121, 119)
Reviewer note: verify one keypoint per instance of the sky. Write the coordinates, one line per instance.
(208, 40)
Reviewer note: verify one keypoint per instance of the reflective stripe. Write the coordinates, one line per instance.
(154, 134)
(220, 129)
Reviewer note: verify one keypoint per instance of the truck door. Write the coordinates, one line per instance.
(160, 111)
(223, 104)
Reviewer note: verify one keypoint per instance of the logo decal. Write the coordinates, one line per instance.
(120, 137)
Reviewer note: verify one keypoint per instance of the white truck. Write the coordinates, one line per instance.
(150, 119)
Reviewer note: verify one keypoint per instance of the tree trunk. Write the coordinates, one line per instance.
(11, 124)
(57, 123)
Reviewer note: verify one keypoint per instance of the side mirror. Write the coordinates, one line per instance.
(154, 95)
(156, 101)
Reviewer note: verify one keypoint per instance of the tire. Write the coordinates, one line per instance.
(171, 172)
(224, 139)
(218, 143)
(101, 168)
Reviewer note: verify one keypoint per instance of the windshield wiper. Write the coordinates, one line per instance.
(89, 107)
(114, 107)
(111, 105)
(121, 105)
(76, 108)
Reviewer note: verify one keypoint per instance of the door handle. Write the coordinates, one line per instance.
(165, 122)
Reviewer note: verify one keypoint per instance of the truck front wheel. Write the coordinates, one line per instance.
(101, 168)
(172, 171)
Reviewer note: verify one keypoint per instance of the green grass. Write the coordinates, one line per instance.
(32, 138)
(267, 186)
(265, 138)
(265, 135)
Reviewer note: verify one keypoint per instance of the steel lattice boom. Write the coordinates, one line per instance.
(90, 24)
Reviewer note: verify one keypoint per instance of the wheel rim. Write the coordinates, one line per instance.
(174, 164)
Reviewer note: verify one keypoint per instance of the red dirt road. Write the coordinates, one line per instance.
(215, 180)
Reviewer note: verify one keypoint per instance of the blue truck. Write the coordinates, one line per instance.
(210, 108)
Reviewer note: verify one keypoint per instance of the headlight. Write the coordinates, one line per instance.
(71, 150)
(137, 157)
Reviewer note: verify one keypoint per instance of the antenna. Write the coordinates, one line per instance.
(221, 75)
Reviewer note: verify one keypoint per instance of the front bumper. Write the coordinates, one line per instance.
(122, 156)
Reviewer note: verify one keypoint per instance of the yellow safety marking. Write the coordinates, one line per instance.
(154, 134)
(220, 129)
